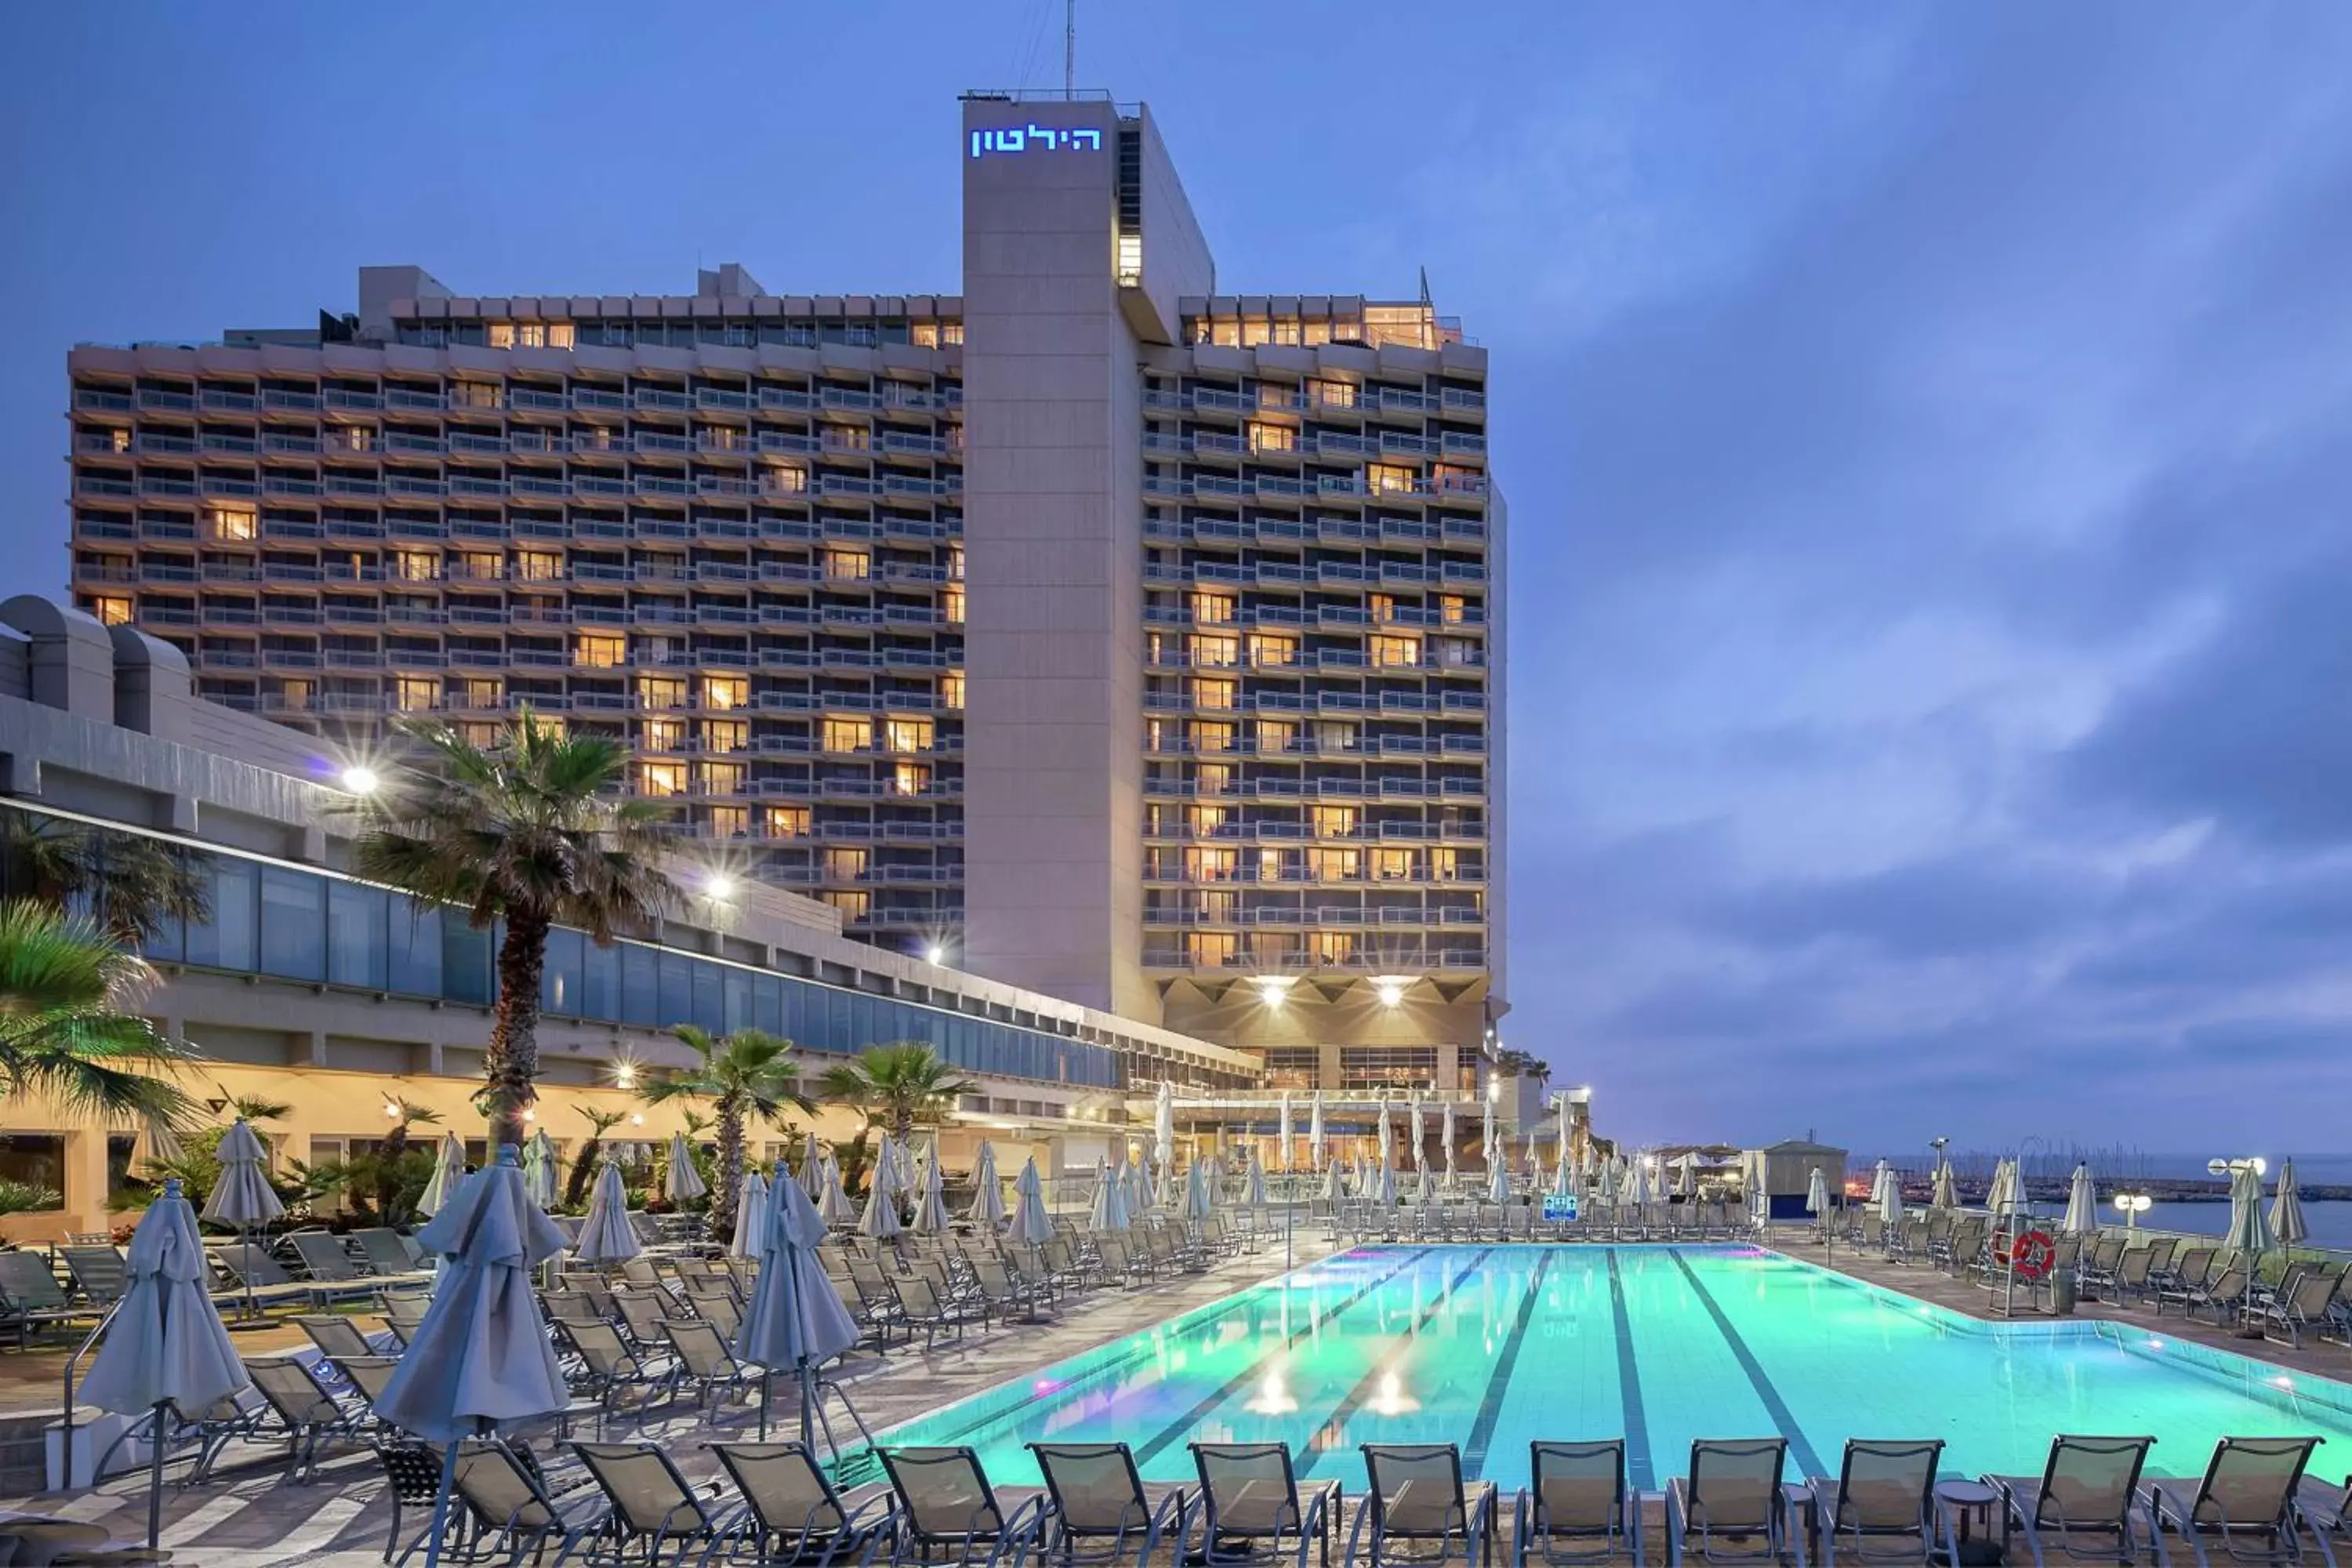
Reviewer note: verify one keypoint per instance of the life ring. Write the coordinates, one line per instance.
(2031, 1255)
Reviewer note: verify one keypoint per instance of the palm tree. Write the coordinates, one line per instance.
(525, 832)
(575, 1186)
(64, 1032)
(394, 1144)
(136, 885)
(750, 1074)
(897, 1085)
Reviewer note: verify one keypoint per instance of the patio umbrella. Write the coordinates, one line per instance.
(243, 1197)
(796, 1321)
(1333, 1190)
(156, 1146)
(1030, 1223)
(1563, 1132)
(880, 1219)
(1384, 1191)
(2286, 1212)
(682, 1180)
(1534, 1160)
(1108, 1212)
(166, 1344)
(834, 1203)
(988, 1192)
(1686, 1179)
(607, 1236)
(2250, 1228)
(1878, 1184)
(1414, 1122)
(1817, 1193)
(2000, 1197)
(447, 1171)
(931, 1206)
(1890, 1198)
(751, 1214)
(2081, 1205)
(1283, 1152)
(1946, 1194)
(1486, 1136)
(1563, 1181)
(1254, 1191)
(1196, 1192)
(1637, 1183)
(812, 1170)
(1498, 1182)
(539, 1169)
(480, 1362)
(1388, 1134)
(1445, 1138)
(1163, 1124)
(1315, 1131)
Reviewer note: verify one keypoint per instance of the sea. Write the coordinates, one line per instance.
(2330, 1223)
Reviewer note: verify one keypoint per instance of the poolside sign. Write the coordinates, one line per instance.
(1559, 1206)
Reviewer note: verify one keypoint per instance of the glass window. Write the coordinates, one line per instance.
(677, 989)
(358, 921)
(415, 942)
(293, 924)
(640, 995)
(230, 939)
(600, 982)
(767, 1000)
(560, 982)
(709, 1008)
(738, 1014)
(465, 962)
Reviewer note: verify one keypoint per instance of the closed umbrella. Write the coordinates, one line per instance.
(243, 1197)
(1817, 1193)
(932, 1205)
(1315, 1131)
(814, 1159)
(607, 1236)
(1138, 1188)
(1946, 1191)
(2081, 1205)
(1196, 1192)
(1878, 1184)
(1425, 1185)
(1890, 1199)
(480, 1362)
(1686, 1179)
(447, 1171)
(1163, 1124)
(2250, 1228)
(1030, 1223)
(165, 1345)
(1388, 1135)
(1414, 1122)
(1563, 1179)
(1254, 1193)
(1498, 1182)
(1283, 1150)
(988, 1193)
(1486, 1134)
(1563, 1155)
(1110, 1210)
(2286, 1212)
(1384, 1192)
(2000, 1197)
(682, 1181)
(880, 1219)
(539, 1169)
(156, 1147)
(796, 1321)
(1333, 1190)
(751, 1214)
(834, 1203)
(1445, 1137)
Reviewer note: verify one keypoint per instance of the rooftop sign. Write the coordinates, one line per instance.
(1034, 138)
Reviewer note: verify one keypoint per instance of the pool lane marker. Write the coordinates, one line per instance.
(1808, 1462)
(1201, 1408)
(1370, 1381)
(1640, 1469)
(1490, 1406)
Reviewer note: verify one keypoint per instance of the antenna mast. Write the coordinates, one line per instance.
(1069, 49)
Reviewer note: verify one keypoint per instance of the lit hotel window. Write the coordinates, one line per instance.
(722, 778)
(847, 566)
(1212, 735)
(724, 735)
(1215, 609)
(661, 734)
(1215, 652)
(908, 734)
(110, 611)
(416, 694)
(952, 603)
(853, 902)
(951, 689)
(660, 691)
(848, 734)
(726, 692)
(415, 565)
(1211, 949)
(787, 821)
(1207, 693)
(911, 778)
(1385, 478)
(730, 821)
(230, 524)
(600, 652)
(1394, 652)
(661, 778)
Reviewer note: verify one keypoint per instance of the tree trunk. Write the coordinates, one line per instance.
(730, 1185)
(387, 1179)
(575, 1186)
(511, 1065)
(902, 1122)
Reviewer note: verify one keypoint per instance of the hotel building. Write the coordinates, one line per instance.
(1115, 637)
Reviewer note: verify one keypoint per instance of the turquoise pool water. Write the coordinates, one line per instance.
(1493, 1347)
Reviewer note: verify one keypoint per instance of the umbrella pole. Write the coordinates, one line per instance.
(154, 1479)
(767, 1391)
(250, 1310)
(808, 1406)
(440, 1524)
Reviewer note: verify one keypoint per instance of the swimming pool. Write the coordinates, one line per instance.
(1491, 1347)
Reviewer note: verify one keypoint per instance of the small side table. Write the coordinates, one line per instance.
(1966, 1498)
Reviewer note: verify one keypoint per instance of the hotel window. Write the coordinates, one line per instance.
(1155, 734)
(847, 566)
(1211, 949)
(1212, 735)
(482, 564)
(730, 821)
(597, 651)
(722, 778)
(784, 480)
(1388, 479)
(295, 695)
(1217, 906)
(1207, 693)
(230, 525)
(786, 821)
(501, 334)
(724, 735)
(414, 566)
(1334, 865)
(660, 691)
(725, 693)
(924, 334)
(907, 734)
(474, 394)
(846, 437)
(1272, 437)
(416, 693)
(1214, 652)
(1276, 736)
(1452, 476)
(483, 691)
(1215, 609)
(1212, 778)
(852, 902)
(480, 735)
(952, 603)
(911, 778)
(1269, 650)
(842, 734)
(951, 689)
(1330, 946)
(1210, 865)
(1254, 332)
(1445, 864)
(1335, 735)
(1453, 653)
(955, 563)
(1395, 653)
(1383, 608)
(1206, 819)
(844, 864)
(1335, 822)
(1333, 394)
(952, 334)
(1453, 609)
(110, 611)
(350, 438)
(661, 734)
(538, 567)
(560, 334)
(1274, 865)
(1391, 864)
(661, 778)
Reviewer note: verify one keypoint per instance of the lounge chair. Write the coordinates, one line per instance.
(1417, 1502)
(99, 1273)
(922, 1306)
(700, 1356)
(2226, 1298)
(2305, 1306)
(386, 1251)
(644, 1310)
(791, 1514)
(251, 1271)
(507, 1499)
(609, 1366)
(308, 1414)
(1882, 1507)
(368, 1374)
(716, 1305)
(31, 1299)
(1100, 1513)
(652, 1503)
(335, 1337)
(2085, 1503)
(2245, 1506)
(2326, 1513)
(1577, 1507)
(1730, 1505)
(412, 1472)
(1251, 1507)
(945, 1505)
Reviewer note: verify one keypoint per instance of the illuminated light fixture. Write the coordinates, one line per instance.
(360, 780)
(935, 953)
(392, 1109)
(718, 885)
(530, 1113)
(636, 1118)
(1390, 988)
(2131, 1205)
(624, 1074)
(1274, 989)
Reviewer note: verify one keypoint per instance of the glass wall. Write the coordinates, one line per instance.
(292, 923)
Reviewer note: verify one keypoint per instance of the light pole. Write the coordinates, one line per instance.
(2131, 1205)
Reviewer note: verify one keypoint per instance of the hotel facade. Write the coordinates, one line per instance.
(1091, 630)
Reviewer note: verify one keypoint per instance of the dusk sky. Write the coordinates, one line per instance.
(1927, 431)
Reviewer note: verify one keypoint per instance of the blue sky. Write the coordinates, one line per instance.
(1925, 429)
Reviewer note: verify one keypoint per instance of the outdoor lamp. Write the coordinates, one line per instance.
(360, 779)
(935, 953)
(718, 885)
(2131, 1205)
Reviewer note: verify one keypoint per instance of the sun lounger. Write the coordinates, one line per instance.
(335, 1336)
(1730, 1506)
(100, 1274)
(307, 1413)
(789, 1513)
(1417, 1509)
(609, 1367)
(701, 1357)
(1252, 1512)
(2085, 1503)
(1882, 1506)
(1099, 1513)
(2244, 1508)
(2305, 1306)
(251, 1271)
(945, 1506)
(387, 1252)
(31, 1299)
(652, 1503)
(2327, 1514)
(1577, 1507)
(508, 1500)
